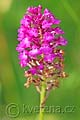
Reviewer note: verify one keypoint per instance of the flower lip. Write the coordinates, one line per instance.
(45, 50)
(33, 70)
(48, 36)
(34, 52)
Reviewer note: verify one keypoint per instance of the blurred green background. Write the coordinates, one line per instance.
(12, 79)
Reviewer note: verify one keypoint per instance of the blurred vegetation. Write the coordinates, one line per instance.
(12, 76)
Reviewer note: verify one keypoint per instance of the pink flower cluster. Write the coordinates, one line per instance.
(37, 37)
(39, 43)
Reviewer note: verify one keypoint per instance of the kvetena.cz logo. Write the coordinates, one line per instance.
(14, 110)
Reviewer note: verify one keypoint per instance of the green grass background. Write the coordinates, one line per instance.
(12, 76)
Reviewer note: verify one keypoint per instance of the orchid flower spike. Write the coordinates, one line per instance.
(39, 48)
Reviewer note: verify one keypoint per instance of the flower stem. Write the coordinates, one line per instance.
(42, 98)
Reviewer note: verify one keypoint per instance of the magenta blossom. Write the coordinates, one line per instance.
(39, 45)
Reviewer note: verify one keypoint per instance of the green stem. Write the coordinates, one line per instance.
(42, 98)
